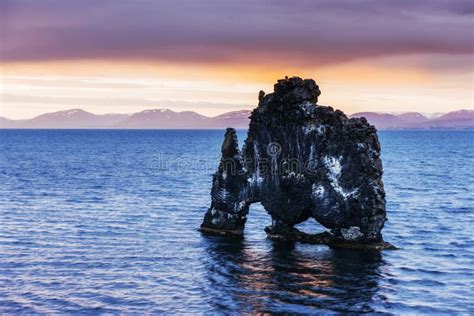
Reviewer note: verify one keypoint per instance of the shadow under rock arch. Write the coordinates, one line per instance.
(290, 278)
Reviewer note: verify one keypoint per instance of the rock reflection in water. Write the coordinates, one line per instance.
(290, 277)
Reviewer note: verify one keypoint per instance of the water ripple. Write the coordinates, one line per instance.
(92, 223)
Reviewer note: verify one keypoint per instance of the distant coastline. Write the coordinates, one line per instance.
(168, 119)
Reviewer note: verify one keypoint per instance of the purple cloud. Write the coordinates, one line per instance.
(303, 32)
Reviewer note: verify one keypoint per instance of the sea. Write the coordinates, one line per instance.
(106, 222)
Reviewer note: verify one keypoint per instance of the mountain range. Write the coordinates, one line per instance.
(167, 119)
(148, 119)
(462, 119)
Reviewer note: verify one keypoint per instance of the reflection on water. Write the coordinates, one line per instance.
(289, 279)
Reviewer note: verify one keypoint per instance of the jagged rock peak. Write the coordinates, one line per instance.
(295, 90)
(230, 146)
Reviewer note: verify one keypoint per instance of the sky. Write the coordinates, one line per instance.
(214, 56)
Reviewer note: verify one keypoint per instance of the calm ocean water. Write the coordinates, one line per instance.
(106, 222)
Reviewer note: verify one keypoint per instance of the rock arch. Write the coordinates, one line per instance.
(301, 160)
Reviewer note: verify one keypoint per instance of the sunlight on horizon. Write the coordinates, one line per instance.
(121, 86)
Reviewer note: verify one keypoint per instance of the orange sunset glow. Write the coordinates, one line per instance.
(171, 70)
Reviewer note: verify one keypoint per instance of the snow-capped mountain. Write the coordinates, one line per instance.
(387, 121)
(148, 119)
(74, 118)
(164, 118)
(168, 119)
(457, 115)
(412, 117)
(380, 120)
(236, 119)
(462, 119)
(456, 119)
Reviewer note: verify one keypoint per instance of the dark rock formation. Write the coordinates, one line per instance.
(301, 160)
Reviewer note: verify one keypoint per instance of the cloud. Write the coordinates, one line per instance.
(114, 102)
(300, 32)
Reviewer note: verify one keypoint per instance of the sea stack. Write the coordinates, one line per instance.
(302, 160)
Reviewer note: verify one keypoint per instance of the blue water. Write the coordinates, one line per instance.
(106, 222)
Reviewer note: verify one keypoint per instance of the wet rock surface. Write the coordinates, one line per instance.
(301, 160)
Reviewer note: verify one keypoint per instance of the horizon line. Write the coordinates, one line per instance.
(428, 114)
